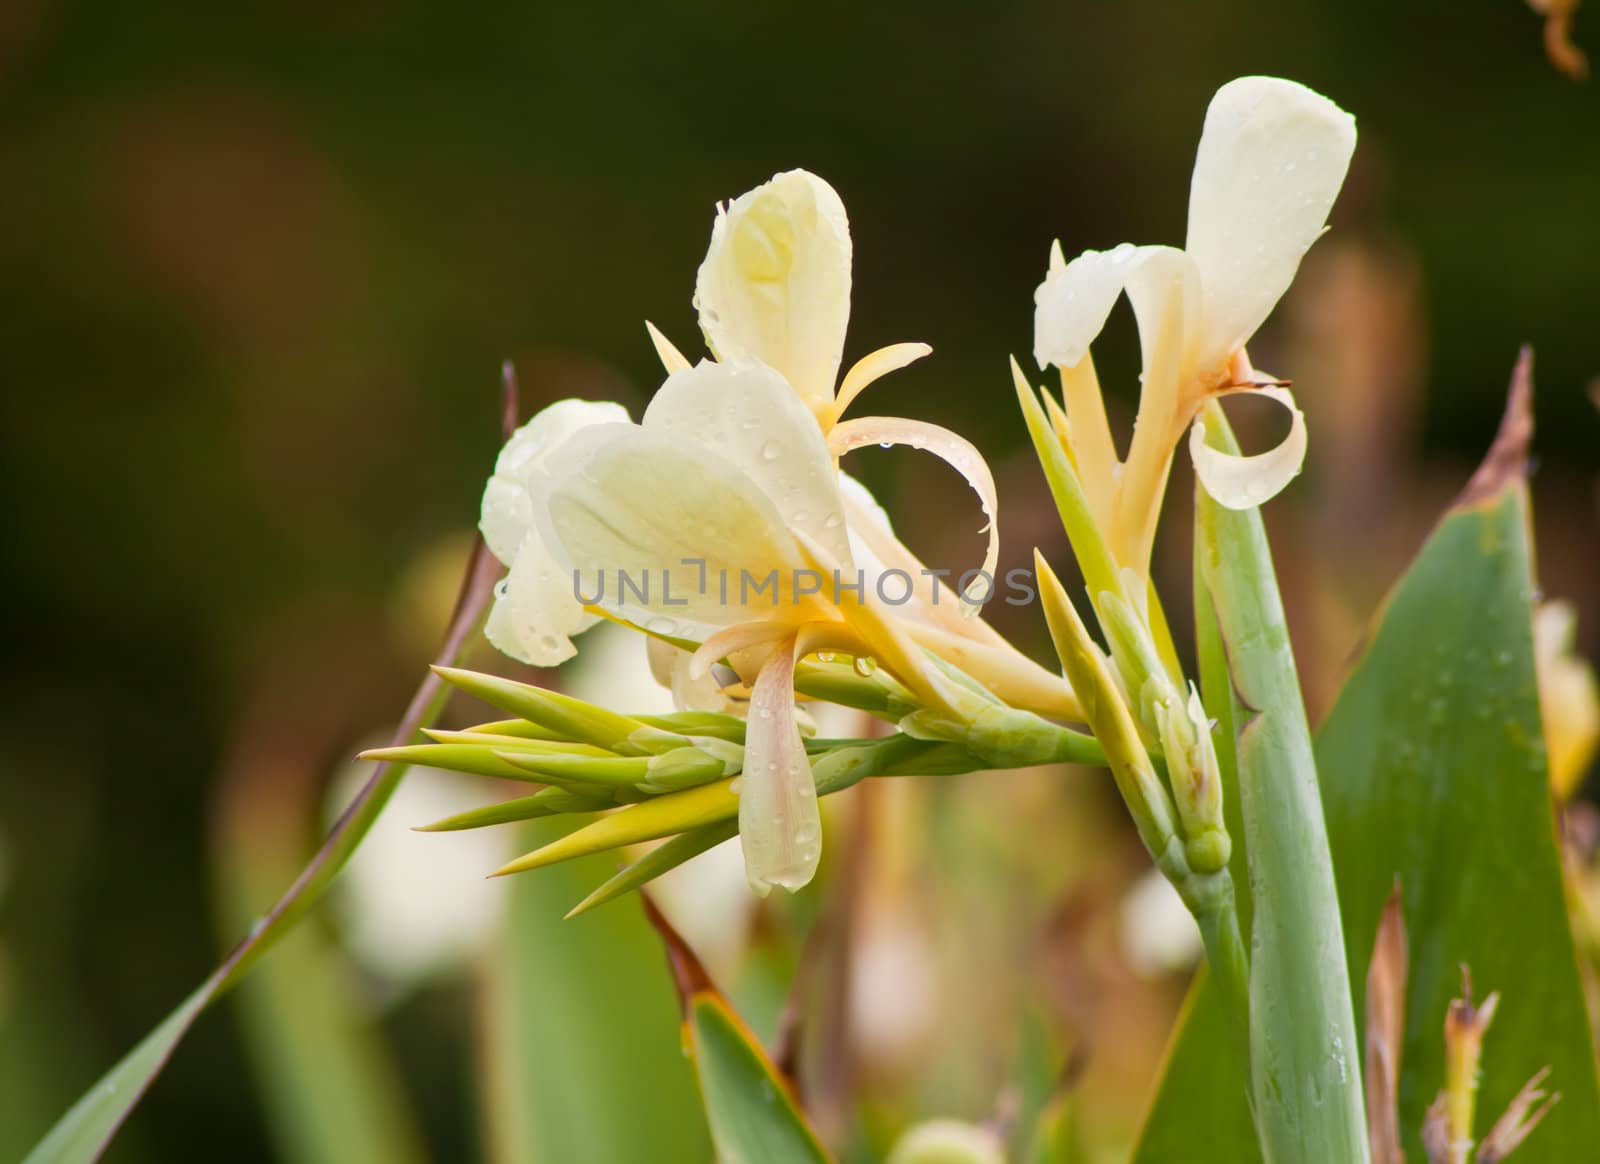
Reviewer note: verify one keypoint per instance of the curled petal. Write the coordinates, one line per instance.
(535, 614)
(508, 509)
(780, 826)
(775, 283)
(1272, 157)
(747, 415)
(1245, 482)
(873, 367)
(671, 358)
(733, 639)
(957, 452)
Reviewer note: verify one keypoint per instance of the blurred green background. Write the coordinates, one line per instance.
(260, 267)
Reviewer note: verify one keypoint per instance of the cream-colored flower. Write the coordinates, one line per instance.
(721, 520)
(1272, 157)
(774, 289)
(718, 519)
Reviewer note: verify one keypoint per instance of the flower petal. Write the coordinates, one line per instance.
(780, 826)
(748, 416)
(1073, 303)
(957, 452)
(507, 510)
(535, 614)
(671, 667)
(693, 537)
(730, 640)
(1245, 482)
(877, 550)
(775, 284)
(872, 367)
(1272, 157)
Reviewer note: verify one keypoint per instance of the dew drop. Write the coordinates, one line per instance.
(865, 665)
(832, 521)
(661, 626)
(771, 451)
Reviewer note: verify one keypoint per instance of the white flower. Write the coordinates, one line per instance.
(1272, 157)
(676, 525)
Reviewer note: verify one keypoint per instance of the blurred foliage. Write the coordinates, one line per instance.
(263, 266)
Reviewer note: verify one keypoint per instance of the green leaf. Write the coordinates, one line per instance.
(748, 1103)
(1305, 1083)
(583, 1047)
(1433, 772)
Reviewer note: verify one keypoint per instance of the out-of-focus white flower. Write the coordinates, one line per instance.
(1272, 157)
(1159, 935)
(411, 904)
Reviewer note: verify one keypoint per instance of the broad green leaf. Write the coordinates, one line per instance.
(584, 1056)
(748, 1104)
(1433, 772)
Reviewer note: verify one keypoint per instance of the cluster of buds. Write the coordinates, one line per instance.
(678, 775)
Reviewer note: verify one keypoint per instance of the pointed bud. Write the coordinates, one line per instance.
(568, 718)
(1089, 672)
(1196, 780)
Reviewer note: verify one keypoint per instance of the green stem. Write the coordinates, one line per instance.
(1304, 1056)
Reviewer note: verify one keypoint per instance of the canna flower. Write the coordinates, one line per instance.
(1272, 157)
(774, 290)
(721, 525)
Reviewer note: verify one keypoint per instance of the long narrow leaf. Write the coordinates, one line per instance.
(83, 1133)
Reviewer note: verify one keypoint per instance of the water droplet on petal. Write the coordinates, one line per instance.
(865, 665)
(771, 451)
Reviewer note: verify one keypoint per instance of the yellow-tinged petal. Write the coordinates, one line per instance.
(507, 510)
(888, 641)
(872, 367)
(1272, 157)
(671, 358)
(671, 537)
(957, 452)
(775, 284)
(877, 550)
(749, 417)
(1244, 482)
(733, 639)
(780, 826)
